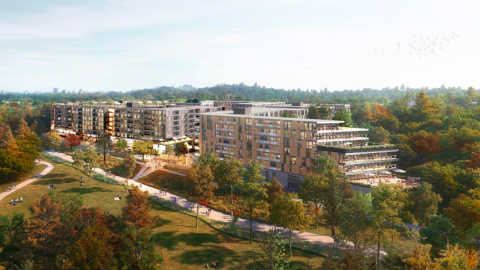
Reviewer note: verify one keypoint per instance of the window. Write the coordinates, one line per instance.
(294, 134)
(286, 142)
(293, 161)
(267, 175)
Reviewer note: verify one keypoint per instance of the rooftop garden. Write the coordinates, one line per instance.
(348, 148)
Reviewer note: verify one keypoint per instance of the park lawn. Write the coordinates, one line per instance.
(66, 181)
(37, 168)
(178, 168)
(180, 243)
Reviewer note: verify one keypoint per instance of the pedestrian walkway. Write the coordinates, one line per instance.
(217, 215)
(29, 181)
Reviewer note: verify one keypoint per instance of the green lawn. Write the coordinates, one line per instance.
(38, 168)
(181, 244)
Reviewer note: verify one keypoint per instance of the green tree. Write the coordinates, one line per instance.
(231, 171)
(311, 191)
(425, 203)
(356, 217)
(140, 148)
(180, 149)
(313, 112)
(202, 185)
(254, 191)
(52, 140)
(12, 233)
(122, 145)
(439, 233)
(379, 135)
(90, 157)
(137, 250)
(325, 112)
(169, 150)
(290, 213)
(273, 251)
(345, 116)
(335, 190)
(388, 201)
(78, 158)
(129, 163)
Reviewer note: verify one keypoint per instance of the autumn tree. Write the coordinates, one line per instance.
(141, 148)
(202, 185)
(420, 258)
(254, 191)
(424, 203)
(311, 191)
(72, 140)
(42, 228)
(52, 140)
(104, 145)
(274, 190)
(464, 210)
(454, 257)
(137, 211)
(288, 212)
(231, 173)
(424, 143)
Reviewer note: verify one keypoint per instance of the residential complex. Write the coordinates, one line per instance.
(128, 120)
(288, 147)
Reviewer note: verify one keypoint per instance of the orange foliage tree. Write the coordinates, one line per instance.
(72, 140)
(137, 210)
(424, 143)
(465, 210)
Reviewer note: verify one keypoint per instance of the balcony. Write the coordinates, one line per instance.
(358, 148)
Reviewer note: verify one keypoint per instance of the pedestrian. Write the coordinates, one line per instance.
(231, 214)
(21, 199)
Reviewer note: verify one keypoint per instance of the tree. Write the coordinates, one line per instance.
(104, 145)
(464, 210)
(90, 158)
(424, 143)
(201, 182)
(288, 115)
(254, 191)
(311, 191)
(130, 164)
(78, 158)
(274, 190)
(180, 149)
(455, 257)
(356, 217)
(273, 251)
(169, 150)
(425, 203)
(42, 228)
(379, 135)
(209, 159)
(140, 148)
(231, 171)
(335, 190)
(72, 140)
(290, 213)
(137, 250)
(137, 211)
(420, 258)
(388, 201)
(313, 112)
(345, 116)
(122, 145)
(12, 231)
(52, 140)
(324, 112)
(440, 233)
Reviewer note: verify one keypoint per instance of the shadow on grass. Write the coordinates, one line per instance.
(198, 239)
(224, 256)
(54, 179)
(84, 190)
(166, 239)
(162, 222)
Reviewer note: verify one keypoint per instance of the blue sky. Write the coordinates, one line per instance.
(122, 45)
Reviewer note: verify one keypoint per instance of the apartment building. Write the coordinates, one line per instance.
(334, 107)
(230, 105)
(128, 120)
(287, 147)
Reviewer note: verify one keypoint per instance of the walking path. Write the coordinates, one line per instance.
(217, 215)
(29, 181)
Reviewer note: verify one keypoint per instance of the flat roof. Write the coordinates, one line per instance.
(230, 113)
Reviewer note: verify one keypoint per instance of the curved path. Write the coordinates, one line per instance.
(29, 181)
(217, 215)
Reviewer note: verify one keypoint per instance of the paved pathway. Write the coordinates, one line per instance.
(217, 215)
(29, 181)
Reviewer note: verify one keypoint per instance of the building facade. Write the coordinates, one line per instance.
(286, 147)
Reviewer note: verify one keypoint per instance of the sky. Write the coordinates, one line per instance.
(120, 45)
